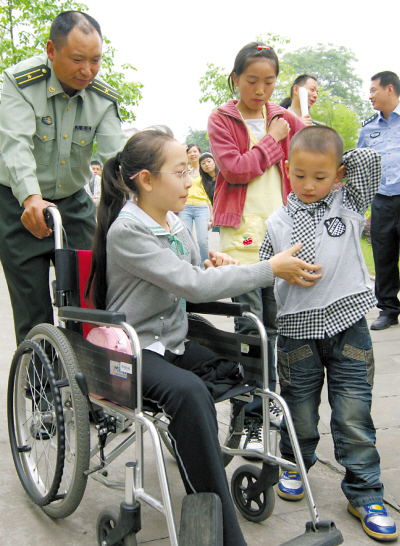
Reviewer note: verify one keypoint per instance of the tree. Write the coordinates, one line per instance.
(333, 67)
(198, 137)
(24, 31)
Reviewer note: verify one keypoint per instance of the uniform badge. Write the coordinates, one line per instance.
(83, 128)
(335, 227)
(52, 89)
(374, 135)
(47, 120)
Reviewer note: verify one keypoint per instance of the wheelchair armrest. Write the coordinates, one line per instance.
(97, 316)
(218, 308)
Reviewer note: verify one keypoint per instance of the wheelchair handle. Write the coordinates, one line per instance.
(52, 217)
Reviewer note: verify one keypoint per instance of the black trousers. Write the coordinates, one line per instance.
(26, 259)
(193, 428)
(385, 239)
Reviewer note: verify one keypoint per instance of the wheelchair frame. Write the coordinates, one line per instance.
(40, 353)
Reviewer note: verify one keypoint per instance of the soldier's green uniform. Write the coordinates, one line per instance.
(46, 143)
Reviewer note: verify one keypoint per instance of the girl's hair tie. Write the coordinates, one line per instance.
(118, 159)
(260, 47)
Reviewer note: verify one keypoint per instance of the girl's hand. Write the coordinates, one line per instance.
(279, 129)
(306, 119)
(219, 258)
(293, 270)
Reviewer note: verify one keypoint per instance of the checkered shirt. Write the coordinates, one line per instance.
(363, 173)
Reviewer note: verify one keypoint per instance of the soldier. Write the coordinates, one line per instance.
(52, 109)
(381, 132)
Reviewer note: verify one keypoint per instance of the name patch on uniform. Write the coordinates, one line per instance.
(83, 128)
(374, 135)
(47, 120)
(335, 227)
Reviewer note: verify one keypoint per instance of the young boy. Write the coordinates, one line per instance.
(325, 327)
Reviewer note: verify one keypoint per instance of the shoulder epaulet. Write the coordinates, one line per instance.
(33, 75)
(366, 121)
(101, 89)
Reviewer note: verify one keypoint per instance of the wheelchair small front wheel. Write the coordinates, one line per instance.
(35, 423)
(106, 522)
(75, 415)
(260, 507)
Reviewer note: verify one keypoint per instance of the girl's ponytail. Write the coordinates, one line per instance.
(114, 194)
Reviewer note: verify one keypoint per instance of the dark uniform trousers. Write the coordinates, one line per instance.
(385, 239)
(26, 259)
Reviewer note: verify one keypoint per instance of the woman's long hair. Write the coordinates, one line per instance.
(144, 150)
(206, 178)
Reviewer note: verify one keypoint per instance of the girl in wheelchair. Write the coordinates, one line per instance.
(146, 264)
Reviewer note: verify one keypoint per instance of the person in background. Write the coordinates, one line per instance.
(381, 132)
(198, 204)
(53, 107)
(249, 138)
(208, 173)
(292, 103)
(96, 167)
(93, 187)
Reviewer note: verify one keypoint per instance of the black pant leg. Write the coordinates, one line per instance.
(385, 216)
(184, 397)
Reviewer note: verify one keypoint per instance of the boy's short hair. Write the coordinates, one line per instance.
(318, 139)
(95, 162)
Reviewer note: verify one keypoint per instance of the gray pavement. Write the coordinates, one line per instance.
(22, 522)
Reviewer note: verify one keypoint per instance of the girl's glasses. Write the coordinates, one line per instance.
(183, 174)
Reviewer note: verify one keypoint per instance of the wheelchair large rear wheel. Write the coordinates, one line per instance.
(75, 416)
(36, 423)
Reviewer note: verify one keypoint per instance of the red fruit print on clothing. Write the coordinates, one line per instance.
(247, 241)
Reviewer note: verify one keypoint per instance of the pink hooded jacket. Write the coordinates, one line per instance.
(238, 165)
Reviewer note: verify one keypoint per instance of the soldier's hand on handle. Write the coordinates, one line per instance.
(33, 218)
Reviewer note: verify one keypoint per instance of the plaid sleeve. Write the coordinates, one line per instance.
(363, 173)
(266, 249)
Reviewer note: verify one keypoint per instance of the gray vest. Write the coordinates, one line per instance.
(337, 250)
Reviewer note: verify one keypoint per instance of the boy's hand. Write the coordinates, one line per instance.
(279, 129)
(219, 258)
(293, 270)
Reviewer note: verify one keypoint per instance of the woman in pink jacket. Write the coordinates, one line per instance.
(249, 139)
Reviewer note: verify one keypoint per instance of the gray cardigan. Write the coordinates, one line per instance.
(150, 274)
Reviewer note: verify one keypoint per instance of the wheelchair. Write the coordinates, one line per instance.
(59, 382)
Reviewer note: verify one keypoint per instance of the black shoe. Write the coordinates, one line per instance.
(383, 322)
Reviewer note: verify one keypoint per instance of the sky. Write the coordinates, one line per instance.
(171, 42)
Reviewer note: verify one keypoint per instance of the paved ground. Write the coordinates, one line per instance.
(22, 522)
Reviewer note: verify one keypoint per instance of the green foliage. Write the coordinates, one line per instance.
(333, 113)
(24, 31)
(198, 137)
(214, 85)
(333, 67)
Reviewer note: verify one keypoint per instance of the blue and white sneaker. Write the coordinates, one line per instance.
(376, 521)
(290, 486)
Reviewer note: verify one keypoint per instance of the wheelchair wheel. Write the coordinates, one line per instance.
(259, 508)
(76, 419)
(35, 423)
(106, 522)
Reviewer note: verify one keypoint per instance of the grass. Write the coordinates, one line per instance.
(367, 252)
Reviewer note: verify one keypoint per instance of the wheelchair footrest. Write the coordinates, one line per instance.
(326, 535)
(201, 520)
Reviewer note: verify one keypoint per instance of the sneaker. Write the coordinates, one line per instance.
(290, 486)
(375, 520)
(252, 436)
(275, 414)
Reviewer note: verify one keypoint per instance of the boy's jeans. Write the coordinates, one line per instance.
(349, 363)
